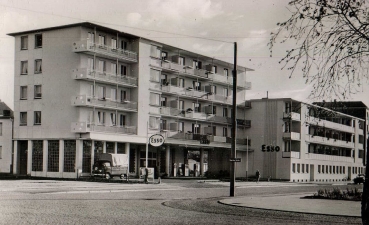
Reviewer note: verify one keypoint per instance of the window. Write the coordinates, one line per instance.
(181, 105)
(114, 43)
(102, 67)
(1, 152)
(180, 127)
(38, 66)
(122, 120)
(307, 168)
(154, 75)
(323, 168)
(53, 156)
(344, 169)
(181, 82)
(298, 167)
(91, 37)
(196, 64)
(38, 91)
(196, 106)
(123, 70)
(225, 92)
(38, 41)
(163, 101)
(164, 55)
(23, 92)
(293, 167)
(101, 118)
(24, 67)
(154, 122)
(123, 44)
(110, 147)
(225, 131)
(113, 94)
(196, 85)
(113, 68)
(287, 107)
(113, 119)
(101, 92)
(181, 60)
(225, 72)
(86, 156)
(225, 112)
(1, 129)
(23, 118)
(214, 69)
(154, 99)
(163, 125)
(287, 127)
(101, 40)
(303, 168)
(24, 42)
(330, 169)
(287, 146)
(69, 155)
(155, 51)
(92, 90)
(37, 155)
(123, 95)
(90, 64)
(196, 128)
(37, 117)
(318, 168)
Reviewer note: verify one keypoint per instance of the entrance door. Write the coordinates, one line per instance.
(22, 160)
(349, 173)
(311, 172)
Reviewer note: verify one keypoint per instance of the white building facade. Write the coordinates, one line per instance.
(6, 131)
(85, 89)
(315, 144)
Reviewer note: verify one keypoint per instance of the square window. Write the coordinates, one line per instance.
(38, 91)
(38, 66)
(23, 92)
(24, 42)
(24, 67)
(37, 118)
(38, 41)
(23, 118)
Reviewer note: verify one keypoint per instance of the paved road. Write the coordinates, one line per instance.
(172, 202)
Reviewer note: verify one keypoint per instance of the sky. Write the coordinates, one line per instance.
(207, 27)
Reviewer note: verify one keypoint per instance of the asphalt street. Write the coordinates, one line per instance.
(171, 202)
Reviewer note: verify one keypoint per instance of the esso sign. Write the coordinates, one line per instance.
(156, 140)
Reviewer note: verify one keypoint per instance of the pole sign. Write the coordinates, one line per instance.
(156, 140)
(235, 159)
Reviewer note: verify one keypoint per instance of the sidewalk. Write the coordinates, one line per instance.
(294, 203)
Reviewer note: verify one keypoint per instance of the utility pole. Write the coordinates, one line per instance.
(233, 133)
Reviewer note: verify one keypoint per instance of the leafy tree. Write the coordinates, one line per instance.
(331, 50)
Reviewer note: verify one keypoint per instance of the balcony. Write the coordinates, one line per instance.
(104, 51)
(88, 101)
(292, 136)
(329, 141)
(86, 74)
(169, 66)
(328, 124)
(295, 155)
(292, 115)
(86, 127)
(330, 157)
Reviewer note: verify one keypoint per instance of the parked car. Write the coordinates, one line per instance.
(359, 179)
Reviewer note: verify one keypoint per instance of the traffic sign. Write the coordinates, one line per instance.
(235, 159)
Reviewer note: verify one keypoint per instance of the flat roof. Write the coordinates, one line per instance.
(107, 29)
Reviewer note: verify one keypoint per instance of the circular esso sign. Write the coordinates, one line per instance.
(156, 140)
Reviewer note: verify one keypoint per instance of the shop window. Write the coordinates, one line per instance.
(110, 147)
(86, 156)
(53, 156)
(69, 156)
(37, 155)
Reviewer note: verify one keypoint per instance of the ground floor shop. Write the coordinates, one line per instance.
(75, 157)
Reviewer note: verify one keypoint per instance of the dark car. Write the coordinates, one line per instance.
(359, 179)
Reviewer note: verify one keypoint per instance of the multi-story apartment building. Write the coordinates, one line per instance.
(303, 142)
(85, 89)
(6, 132)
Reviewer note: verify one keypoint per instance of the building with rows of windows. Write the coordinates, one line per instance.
(85, 89)
(303, 142)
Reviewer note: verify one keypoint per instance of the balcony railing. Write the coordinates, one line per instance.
(292, 115)
(330, 157)
(104, 51)
(295, 155)
(83, 100)
(292, 136)
(86, 74)
(329, 124)
(329, 141)
(86, 127)
(200, 73)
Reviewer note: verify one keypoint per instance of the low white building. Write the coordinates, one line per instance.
(301, 142)
(6, 132)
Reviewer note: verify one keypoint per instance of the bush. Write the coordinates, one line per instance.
(336, 193)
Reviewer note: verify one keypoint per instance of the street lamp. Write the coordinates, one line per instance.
(233, 132)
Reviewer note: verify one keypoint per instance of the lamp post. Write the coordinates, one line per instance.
(233, 133)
